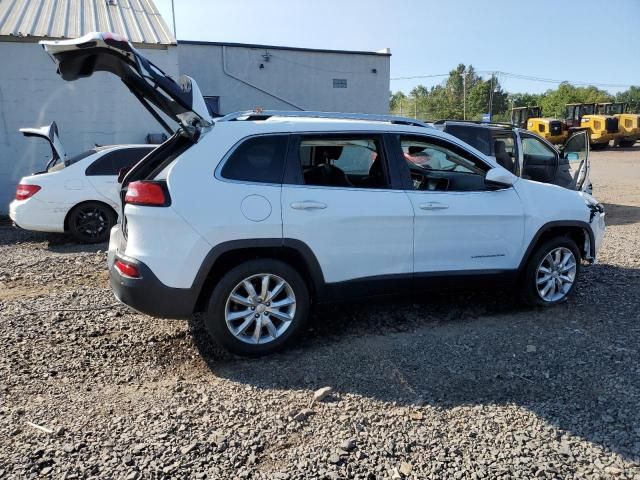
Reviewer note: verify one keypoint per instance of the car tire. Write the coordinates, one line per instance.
(627, 143)
(551, 272)
(251, 325)
(91, 222)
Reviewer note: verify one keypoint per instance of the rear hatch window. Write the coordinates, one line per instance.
(70, 161)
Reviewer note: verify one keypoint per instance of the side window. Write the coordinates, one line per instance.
(504, 150)
(532, 146)
(477, 137)
(258, 159)
(111, 163)
(539, 159)
(342, 161)
(439, 166)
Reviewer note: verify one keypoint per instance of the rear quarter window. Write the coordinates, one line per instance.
(112, 162)
(257, 159)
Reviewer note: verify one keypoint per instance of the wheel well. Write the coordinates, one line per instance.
(575, 233)
(66, 218)
(233, 258)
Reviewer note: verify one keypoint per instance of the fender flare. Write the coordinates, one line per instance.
(558, 224)
(301, 248)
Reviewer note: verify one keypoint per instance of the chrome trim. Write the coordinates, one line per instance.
(370, 117)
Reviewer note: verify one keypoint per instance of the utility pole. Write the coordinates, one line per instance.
(464, 93)
(415, 108)
(173, 15)
(491, 98)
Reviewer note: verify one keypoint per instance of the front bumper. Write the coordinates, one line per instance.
(604, 137)
(147, 294)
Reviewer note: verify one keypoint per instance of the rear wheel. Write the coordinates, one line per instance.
(627, 143)
(91, 222)
(258, 307)
(551, 272)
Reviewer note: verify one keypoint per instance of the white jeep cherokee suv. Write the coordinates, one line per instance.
(257, 215)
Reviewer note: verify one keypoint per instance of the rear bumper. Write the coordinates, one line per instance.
(32, 214)
(146, 294)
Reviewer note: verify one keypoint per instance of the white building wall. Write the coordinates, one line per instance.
(94, 110)
(290, 79)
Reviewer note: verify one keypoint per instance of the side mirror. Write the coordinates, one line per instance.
(572, 156)
(499, 177)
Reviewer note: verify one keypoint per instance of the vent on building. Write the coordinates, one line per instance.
(339, 83)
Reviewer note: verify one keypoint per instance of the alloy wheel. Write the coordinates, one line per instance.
(260, 308)
(91, 222)
(555, 274)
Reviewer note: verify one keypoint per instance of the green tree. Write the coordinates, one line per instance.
(631, 97)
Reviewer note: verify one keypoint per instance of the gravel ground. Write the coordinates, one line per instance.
(461, 385)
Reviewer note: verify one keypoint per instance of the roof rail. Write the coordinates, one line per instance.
(265, 114)
(476, 122)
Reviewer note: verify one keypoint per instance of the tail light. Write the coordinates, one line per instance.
(153, 194)
(126, 269)
(26, 191)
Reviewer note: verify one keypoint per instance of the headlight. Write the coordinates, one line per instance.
(594, 206)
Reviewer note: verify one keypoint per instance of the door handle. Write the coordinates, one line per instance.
(308, 205)
(433, 206)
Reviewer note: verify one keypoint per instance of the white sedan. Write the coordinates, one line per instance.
(79, 194)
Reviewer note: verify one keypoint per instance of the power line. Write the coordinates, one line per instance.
(524, 77)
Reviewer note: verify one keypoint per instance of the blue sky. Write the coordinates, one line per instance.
(587, 40)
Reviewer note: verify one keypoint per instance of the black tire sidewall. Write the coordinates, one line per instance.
(529, 290)
(215, 323)
(83, 238)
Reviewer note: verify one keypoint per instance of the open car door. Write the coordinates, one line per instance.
(107, 52)
(573, 167)
(50, 134)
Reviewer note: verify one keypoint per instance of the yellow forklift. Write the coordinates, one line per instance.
(530, 118)
(628, 123)
(602, 128)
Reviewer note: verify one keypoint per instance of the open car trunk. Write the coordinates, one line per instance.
(157, 91)
(50, 134)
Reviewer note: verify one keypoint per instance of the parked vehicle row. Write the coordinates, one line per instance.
(254, 217)
(603, 122)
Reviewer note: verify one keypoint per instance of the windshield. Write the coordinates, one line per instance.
(588, 109)
(57, 165)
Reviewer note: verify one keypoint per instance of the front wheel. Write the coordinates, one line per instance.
(551, 272)
(91, 222)
(258, 307)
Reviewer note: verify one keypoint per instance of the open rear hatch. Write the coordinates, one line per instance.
(50, 134)
(81, 57)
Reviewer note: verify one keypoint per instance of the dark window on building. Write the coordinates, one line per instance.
(339, 83)
(258, 159)
(111, 163)
(213, 105)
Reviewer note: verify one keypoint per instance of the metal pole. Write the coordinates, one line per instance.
(464, 93)
(491, 98)
(173, 14)
(415, 108)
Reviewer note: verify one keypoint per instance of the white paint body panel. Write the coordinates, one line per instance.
(467, 230)
(356, 233)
